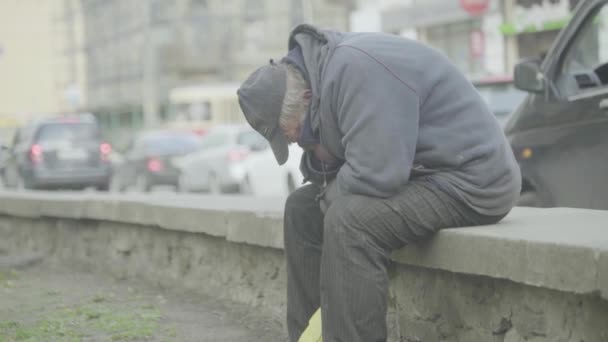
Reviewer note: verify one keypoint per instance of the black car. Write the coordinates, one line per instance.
(64, 152)
(148, 161)
(560, 132)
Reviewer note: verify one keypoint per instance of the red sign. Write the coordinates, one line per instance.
(475, 7)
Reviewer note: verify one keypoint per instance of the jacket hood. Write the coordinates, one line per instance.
(317, 47)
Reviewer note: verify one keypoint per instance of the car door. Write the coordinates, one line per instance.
(199, 166)
(574, 163)
(263, 175)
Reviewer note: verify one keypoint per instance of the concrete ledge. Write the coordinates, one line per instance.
(536, 270)
(555, 248)
(562, 249)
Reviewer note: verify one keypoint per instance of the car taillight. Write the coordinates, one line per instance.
(237, 155)
(105, 149)
(155, 165)
(36, 153)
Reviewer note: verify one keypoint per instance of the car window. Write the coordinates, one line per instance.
(68, 132)
(590, 48)
(585, 64)
(251, 139)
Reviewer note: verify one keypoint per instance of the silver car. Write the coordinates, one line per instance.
(217, 166)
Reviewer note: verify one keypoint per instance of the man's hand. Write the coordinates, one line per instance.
(315, 171)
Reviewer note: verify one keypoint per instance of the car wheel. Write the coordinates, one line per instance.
(142, 184)
(529, 199)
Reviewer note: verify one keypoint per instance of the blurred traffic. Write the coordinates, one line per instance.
(69, 154)
(149, 103)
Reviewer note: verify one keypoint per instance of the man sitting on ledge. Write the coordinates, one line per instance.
(398, 145)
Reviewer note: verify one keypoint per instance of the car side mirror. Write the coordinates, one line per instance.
(529, 77)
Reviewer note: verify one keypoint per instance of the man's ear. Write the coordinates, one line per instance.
(307, 94)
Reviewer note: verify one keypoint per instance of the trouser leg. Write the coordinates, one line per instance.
(359, 235)
(303, 234)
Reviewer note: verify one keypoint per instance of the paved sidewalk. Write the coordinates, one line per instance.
(41, 302)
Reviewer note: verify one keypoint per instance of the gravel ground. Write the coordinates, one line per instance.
(44, 302)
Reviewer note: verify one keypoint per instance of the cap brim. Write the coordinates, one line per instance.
(280, 147)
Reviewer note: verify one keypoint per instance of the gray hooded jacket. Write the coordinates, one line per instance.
(393, 109)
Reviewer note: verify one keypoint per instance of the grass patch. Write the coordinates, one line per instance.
(73, 324)
(7, 277)
(99, 298)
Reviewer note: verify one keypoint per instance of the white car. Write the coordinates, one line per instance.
(216, 166)
(263, 176)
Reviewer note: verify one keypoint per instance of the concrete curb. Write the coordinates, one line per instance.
(561, 249)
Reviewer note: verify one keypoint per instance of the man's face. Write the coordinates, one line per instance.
(291, 129)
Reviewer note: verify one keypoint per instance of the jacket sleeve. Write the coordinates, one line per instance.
(378, 115)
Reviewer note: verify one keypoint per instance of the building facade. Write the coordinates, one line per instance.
(531, 26)
(26, 55)
(69, 64)
(467, 32)
(137, 50)
(482, 37)
(41, 61)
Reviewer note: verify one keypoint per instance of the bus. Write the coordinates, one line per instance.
(201, 106)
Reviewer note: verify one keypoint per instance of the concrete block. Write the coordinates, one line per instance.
(102, 209)
(20, 206)
(132, 212)
(553, 248)
(63, 208)
(603, 274)
(212, 222)
(255, 229)
(562, 249)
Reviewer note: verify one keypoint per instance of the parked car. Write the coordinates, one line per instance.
(149, 160)
(263, 176)
(217, 166)
(560, 133)
(64, 152)
(501, 95)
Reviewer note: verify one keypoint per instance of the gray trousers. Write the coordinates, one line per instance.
(339, 260)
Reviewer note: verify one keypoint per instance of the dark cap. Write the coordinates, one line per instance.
(261, 98)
